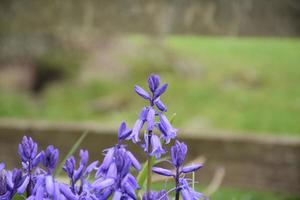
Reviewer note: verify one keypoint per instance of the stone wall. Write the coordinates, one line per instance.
(266, 163)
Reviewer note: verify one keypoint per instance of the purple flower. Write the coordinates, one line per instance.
(50, 158)
(123, 133)
(187, 192)
(155, 146)
(168, 132)
(178, 153)
(148, 116)
(152, 195)
(28, 151)
(153, 84)
(12, 182)
(46, 188)
(81, 173)
(114, 174)
(139, 125)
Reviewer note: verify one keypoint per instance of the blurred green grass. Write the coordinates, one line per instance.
(239, 84)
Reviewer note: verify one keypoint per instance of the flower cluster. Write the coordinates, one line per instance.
(114, 178)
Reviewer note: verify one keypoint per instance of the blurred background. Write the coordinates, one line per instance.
(233, 66)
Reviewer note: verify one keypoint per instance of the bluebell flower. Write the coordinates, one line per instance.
(189, 193)
(46, 188)
(110, 153)
(50, 158)
(156, 148)
(124, 132)
(12, 182)
(149, 115)
(139, 125)
(178, 153)
(28, 151)
(114, 177)
(81, 173)
(167, 130)
(87, 193)
(156, 92)
(152, 195)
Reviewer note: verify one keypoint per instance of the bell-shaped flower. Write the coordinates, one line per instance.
(139, 125)
(81, 173)
(160, 105)
(50, 158)
(46, 187)
(154, 146)
(187, 192)
(118, 182)
(123, 133)
(153, 82)
(167, 130)
(28, 151)
(178, 153)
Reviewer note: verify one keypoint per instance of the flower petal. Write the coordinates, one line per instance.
(191, 168)
(160, 90)
(140, 91)
(162, 171)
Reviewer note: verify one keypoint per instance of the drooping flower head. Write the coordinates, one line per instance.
(124, 132)
(153, 116)
(46, 188)
(113, 176)
(12, 182)
(28, 151)
(80, 173)
(117, 181)
(178, 153)
(50, 158)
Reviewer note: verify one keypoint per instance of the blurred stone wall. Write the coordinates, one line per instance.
(216, 17)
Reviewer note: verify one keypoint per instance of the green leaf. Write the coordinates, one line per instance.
(18, 197)
(172, 118)
(71, 152)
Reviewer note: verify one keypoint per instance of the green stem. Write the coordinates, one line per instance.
(149, 164)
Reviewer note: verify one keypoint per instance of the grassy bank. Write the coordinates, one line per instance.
(243, 84)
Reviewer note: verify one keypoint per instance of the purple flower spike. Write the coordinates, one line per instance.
(50, 158)
(118, 181)
(178, 153)
(27, 149)
(81, 173)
